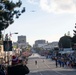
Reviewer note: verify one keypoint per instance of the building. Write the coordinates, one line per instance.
(22, 41)
(50, 46)
(40, 43)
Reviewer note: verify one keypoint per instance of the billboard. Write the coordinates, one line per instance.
(7, 45)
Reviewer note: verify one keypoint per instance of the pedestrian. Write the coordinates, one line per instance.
(18, 67)
(35, 62)
(59, 61)
(62, 61)
(56, 61)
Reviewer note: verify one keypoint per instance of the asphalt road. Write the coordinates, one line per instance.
(46, 67)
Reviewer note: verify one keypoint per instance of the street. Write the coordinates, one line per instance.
(46, 67)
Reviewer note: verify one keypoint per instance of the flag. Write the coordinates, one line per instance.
(6, 37)
(10, 34)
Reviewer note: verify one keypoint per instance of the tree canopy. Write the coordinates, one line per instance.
(8, 11)
(65, 42)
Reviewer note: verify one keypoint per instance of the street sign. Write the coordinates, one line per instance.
(7, 45)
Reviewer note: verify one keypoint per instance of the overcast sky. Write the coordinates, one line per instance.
(44, 19)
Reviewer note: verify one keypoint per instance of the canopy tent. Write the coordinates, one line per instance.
(66, 52)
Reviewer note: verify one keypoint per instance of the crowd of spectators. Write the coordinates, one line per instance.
(18, 66)
(67, 60)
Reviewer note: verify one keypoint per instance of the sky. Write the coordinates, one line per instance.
(44, 19)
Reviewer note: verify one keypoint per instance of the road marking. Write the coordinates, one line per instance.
(38, 71)
(37, 67)
(59, 73)
(41, 74)
(55, 71)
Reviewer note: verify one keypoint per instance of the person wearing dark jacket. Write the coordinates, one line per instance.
(17, 68)
(2, 72)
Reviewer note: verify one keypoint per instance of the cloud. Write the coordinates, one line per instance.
(57, 6)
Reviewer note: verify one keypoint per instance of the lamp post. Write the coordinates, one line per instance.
(8, 37)
(12, 34)
(15, 33)
(8, 46)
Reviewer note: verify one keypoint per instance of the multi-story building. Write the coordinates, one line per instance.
(45, 45)
(22, 41)
(50, 46)
(40, 43)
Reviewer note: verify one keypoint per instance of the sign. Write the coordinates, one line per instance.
(7, 45)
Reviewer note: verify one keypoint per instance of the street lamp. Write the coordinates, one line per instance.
(8, 45)
(15, 33)
(8, 37)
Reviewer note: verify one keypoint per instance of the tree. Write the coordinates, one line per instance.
(7, 13)
(74, 30)
(74, 39)
(65, 42)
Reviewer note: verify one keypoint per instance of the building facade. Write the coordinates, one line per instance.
(22, 41)
(40, 43)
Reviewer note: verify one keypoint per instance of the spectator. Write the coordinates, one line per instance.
(56, 61)
(2, 71)
(17, 67)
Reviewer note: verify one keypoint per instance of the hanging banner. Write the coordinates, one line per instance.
(7, 45)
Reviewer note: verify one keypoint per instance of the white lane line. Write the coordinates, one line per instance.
(37, 67)
(38, 71)
(41, 74)
(59, 73)
(55, 71)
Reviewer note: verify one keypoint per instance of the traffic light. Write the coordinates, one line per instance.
(7, 45)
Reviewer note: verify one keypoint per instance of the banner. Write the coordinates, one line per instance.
(7, 45)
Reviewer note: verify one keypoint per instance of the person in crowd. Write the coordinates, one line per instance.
(35, 62)
(2, 70)
(18, 67)
(62, 61)
(59, 61)
(56, 61)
